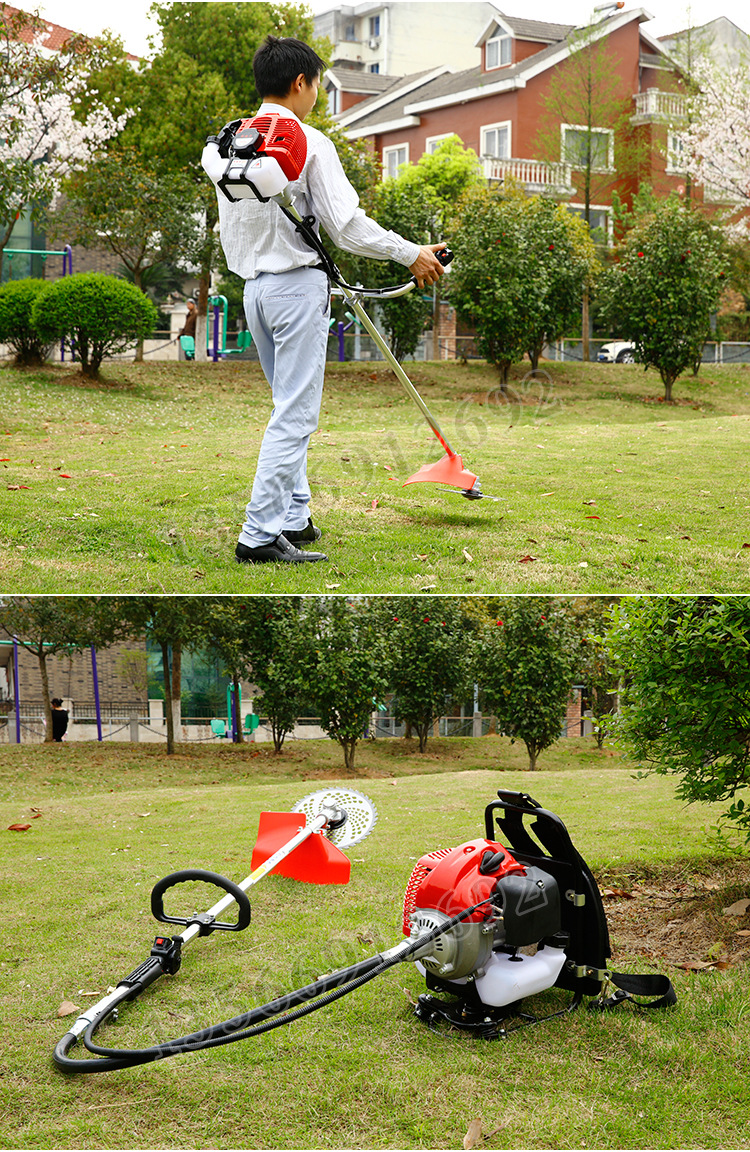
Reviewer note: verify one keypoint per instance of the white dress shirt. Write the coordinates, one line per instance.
(258, 237)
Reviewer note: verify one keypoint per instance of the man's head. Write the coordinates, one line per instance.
(288, 71)
(57, 702)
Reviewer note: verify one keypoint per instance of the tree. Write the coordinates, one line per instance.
(590, 617)
(418, 203)
(685, 700)
(716, 142)
(172, 622)
(345, 666)
(262, 638)
(520, 266)
(49, 125)
(431, 649)
(587, 127)
(666, 284)
(49, 625)
(99, 314)
(525, 667)
(146, 218)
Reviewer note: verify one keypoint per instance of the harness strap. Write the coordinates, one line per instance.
(628, 985)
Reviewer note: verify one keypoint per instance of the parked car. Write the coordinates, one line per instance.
(617, 352)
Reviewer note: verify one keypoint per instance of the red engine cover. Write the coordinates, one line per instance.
(449, 880)
(283, 138)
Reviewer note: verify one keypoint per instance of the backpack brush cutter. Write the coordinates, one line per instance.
(487, 926)
(256, 158)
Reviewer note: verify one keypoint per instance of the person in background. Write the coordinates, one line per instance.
(59, 720)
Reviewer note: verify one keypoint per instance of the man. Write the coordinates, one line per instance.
(287, 302)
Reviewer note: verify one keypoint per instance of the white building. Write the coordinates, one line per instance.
(403, 36)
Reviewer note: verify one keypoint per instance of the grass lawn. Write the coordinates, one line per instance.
(138, 484)
(362, 1073)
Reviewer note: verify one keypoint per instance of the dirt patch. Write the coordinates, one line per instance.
(678, 918)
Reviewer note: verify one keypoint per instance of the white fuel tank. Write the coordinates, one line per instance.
(510, 978)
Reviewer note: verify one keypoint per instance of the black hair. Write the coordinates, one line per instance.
(278, 62)
(56, 701)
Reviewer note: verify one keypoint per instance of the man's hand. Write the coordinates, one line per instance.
(427, 269)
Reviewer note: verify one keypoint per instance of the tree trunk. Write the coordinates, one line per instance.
(237, 737)
(176, 684)
(349, 744)
(45, 693)
(168, 699)
(278, 738)
(423, 731)
(201, 324)
(533, 754)
(585, 325)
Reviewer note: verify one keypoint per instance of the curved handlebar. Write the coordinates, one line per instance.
(204, 921)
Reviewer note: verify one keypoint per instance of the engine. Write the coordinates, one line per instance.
(521, 910)
(256, 158)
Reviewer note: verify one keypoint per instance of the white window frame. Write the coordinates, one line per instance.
(485, 128)
(605, 208)
(387, 151)
(676, 159)
(501, 39)
(608, 132)
(431, 142)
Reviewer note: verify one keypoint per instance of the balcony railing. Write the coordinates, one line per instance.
(653, 104)
(534, 175)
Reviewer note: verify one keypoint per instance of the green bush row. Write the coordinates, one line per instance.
(98, 315)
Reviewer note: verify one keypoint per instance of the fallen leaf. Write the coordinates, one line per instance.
(374, 503)
(408, 995)
(36, 816)
(473, 1135)
(18, 827)
(743, 932)
(625, 564)
(617, 894)
(468, 555)
(16, 487)
(739, 908)
(589, 501)
(618, 469)
(744, 545)
(427, 587)
(333, 585)
(392, 783)
(67, 1008)
(66, 476)
(548, 493)
(527, 559)
(592, 517)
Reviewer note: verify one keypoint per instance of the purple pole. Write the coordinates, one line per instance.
(216, 333)
(96, 694)
(342, 354)
(17, 691)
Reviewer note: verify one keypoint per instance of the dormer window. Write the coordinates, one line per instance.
(498, 51)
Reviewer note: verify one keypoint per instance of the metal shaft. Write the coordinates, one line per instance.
(356, 306)
(317, 825)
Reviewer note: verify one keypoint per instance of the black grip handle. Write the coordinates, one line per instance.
(445, 255)
(205, 922)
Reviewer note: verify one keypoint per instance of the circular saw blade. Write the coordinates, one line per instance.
(361, 813)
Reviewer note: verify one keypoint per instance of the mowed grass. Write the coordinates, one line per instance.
(362, 1073)
(138, 484)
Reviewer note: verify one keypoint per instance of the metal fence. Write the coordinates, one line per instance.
(726, 352)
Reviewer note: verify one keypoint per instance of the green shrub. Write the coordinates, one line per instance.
(100, 314)
(16, 330)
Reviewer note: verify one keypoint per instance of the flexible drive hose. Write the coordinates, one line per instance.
(252, 1023)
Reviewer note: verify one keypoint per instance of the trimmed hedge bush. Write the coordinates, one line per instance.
(16, 330)
(100, 314)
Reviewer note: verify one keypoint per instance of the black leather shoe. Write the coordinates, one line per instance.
(279, 551)
(307, 535)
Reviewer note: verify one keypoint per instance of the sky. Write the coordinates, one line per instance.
(130, 20)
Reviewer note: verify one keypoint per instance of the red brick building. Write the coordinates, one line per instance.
(498, 109)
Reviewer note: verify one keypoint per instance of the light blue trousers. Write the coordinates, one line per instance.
(287, 314)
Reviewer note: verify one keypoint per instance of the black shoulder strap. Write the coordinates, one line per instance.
(629, 985)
